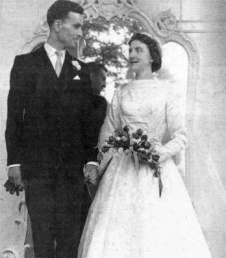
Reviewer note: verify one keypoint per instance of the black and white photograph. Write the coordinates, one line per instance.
(112, 129)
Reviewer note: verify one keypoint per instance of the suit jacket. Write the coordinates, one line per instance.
(98, 113)
(48, 117)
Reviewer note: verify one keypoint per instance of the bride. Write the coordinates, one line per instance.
(128, 218)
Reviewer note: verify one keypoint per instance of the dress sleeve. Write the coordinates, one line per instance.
(175, 116)
(112, 120)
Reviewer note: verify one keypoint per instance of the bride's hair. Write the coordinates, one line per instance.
(153, 47)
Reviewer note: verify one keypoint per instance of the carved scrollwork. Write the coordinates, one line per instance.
(40, 35)
(42, 26)
(165, 23)
(109, 9)
(10, 254)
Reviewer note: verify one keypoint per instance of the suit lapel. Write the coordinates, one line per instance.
(45, 67)
(68, 72)
(66, 69)
(44, 62)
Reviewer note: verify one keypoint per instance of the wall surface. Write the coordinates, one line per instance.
(204, 22)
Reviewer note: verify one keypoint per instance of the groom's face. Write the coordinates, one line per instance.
(70, 30)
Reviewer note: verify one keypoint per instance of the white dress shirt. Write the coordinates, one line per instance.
(51, 52)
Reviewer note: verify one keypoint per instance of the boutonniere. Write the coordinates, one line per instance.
(76, 65)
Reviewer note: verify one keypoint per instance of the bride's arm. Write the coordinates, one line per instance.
(111, 122)
(175, 116)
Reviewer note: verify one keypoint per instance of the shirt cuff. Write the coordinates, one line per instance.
(14, 165)
(92, 163)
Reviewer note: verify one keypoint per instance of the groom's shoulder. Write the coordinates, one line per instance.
(22, 62)
(23, 58)
(27, 58)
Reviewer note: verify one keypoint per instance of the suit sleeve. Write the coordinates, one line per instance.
(15, 112)
(89, 142)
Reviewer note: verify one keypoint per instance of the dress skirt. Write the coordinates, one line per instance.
(128, 218)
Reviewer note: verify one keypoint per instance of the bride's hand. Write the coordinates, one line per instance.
(162, 152)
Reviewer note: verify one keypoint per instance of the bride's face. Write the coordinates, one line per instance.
(139, 57)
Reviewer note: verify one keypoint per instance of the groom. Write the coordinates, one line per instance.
(46, 135)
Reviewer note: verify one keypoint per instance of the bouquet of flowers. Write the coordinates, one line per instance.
(142, 149)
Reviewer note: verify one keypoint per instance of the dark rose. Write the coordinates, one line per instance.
(126, 145)
(117, 144)
(142, 156)
(135, 136)
(126, 129)
(105, 149)
(149, 155)
(155, 158)
(144, 137)
(136, 146)
(152, 165)
(111, 139)
(119, 132)
(139, 132)
(147, 145)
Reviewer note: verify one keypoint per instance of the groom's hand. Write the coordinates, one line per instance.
(14, 184)
(14, 175)
(91, 173)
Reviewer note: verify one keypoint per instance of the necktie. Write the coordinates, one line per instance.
(58, 65)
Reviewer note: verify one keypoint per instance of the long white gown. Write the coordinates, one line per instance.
(127, 218)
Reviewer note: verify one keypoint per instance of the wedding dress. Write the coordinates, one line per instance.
(128, 218)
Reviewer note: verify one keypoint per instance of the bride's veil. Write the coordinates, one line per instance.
(209, 197)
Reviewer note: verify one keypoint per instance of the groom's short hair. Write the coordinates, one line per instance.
(60, 9)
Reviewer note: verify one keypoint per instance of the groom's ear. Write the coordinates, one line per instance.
(57, 25)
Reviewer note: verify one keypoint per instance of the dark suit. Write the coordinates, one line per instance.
(98, 113)
(48, 119)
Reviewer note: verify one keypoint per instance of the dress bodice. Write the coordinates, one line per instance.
(143, 104)
(151, 105)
